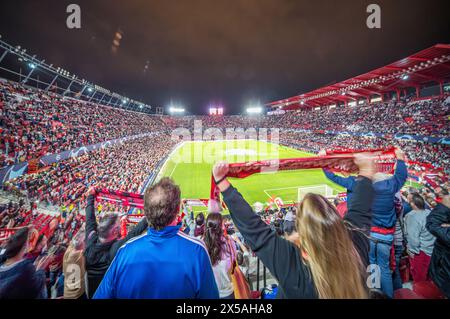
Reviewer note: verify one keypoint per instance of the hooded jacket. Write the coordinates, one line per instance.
(439, 270)
(22, 281)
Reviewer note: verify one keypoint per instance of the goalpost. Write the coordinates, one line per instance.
(323, 190)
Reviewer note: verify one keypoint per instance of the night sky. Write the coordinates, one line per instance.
(227, 52)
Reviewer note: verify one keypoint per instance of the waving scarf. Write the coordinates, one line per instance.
(339, 161)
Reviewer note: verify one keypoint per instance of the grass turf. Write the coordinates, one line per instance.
(190, 166)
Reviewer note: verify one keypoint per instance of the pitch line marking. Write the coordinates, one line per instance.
(298, 187)
(173, 170)
(163, 167)
(281, 188)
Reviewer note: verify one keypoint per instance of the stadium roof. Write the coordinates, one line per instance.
(429, 65)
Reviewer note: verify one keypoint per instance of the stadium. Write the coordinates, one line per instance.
(339, 191)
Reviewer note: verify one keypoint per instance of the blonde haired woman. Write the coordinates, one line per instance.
(330, 255)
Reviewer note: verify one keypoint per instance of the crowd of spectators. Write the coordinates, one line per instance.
(35, 123)
(426, 117)
(437, 155)
(44, 262)
(37, 256)
(122, 166)
(429, 117)
(55, 256)
(12, 215)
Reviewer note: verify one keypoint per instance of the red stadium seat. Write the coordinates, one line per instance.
(428, 290)
(404, 269)
(256, 294)
(405, 293)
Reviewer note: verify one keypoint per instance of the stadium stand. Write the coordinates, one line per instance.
(36, 124)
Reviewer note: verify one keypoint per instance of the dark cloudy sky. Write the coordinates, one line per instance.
(223, 51)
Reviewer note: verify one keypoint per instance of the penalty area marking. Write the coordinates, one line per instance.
(266, 191)
(281, 188)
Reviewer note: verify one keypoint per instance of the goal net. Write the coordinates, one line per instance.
(323, 190)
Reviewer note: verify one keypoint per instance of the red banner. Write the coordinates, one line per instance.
(125, 199)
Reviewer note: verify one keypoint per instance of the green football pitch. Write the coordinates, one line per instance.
(190, 165)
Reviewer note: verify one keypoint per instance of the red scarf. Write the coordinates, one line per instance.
(340, 161)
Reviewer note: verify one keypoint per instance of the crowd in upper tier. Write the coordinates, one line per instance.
(437, 155)
(427, 117)
(423, 117)
(34, 123)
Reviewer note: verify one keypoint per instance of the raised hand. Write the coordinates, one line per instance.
(92, 191)
(400, 154)
(220, 170)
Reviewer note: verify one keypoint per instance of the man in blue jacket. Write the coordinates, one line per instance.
(164, 262)
(348, 182)
(383, 216)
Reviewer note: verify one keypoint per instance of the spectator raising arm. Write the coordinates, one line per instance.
(395, 183)
(136, 231)
(299, 267)
(91, 222)
(347, 182)
(277, 254)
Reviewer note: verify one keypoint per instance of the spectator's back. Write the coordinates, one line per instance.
(164, 262)
(170, 265)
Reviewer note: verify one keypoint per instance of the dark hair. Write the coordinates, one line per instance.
(418, 201)
(214, 238)
(162, 203)
(336, 201)
(240, 258)
(40, 239)
(443, 192)
(200, 219)
(230, 230)
(106, 224)
(279, 231)
(377, 294)
(16, 242)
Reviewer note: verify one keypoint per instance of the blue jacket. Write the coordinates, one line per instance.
(383, 208)
(347, 182)
(160, 264)
(22, 281)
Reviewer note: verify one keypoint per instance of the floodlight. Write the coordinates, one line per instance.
(254, 110)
